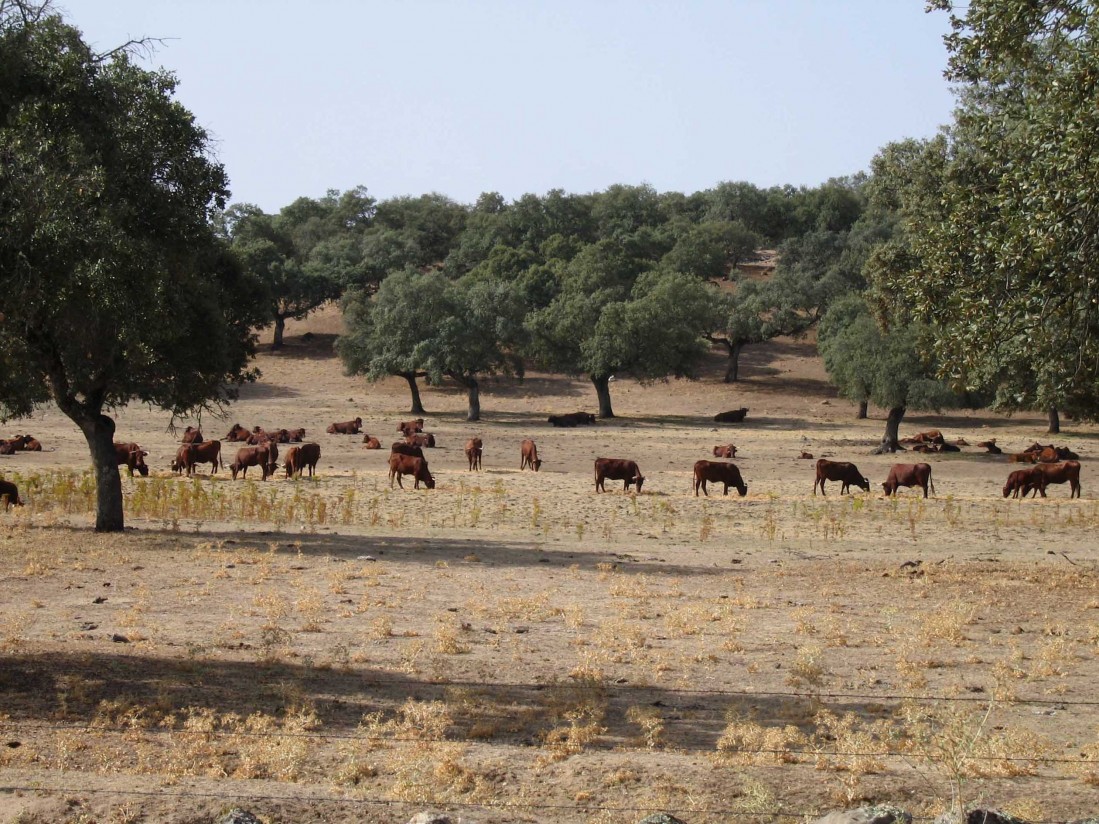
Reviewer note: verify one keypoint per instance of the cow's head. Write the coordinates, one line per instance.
(864, 483)
(537, 464)
(639, 479)
(742, 490)
(887, 488)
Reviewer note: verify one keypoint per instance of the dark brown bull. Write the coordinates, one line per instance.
(191, 454)
(732, 415)
(528, 455)
(264, 456)
(1068, 472)
(345, 427)
(842, 471)
(726, 451)
(9, 494)
(300, 457)
(474, 450)
(571, 419)
(617, 469)
(132, 457)
(408, 465)
(407, 428)
(726, 474)
(403, 448)
(909, 475)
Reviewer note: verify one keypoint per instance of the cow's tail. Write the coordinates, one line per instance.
(931, 482)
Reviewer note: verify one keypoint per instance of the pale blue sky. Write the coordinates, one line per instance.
(516, 96)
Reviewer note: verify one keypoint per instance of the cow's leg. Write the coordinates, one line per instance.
(726, 490)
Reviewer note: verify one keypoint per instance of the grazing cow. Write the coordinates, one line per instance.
(402, 448)
(571, 419)
(474, 449)
(264, 456)
(908, 475)
(421, 439)
(716, 472)
(132, 456)
(9, 494)
(617, 469)
(529, 455)
(371, 443)
(1045, 474)
(726, 451)
(300, 457)
(1021, 481)
(990, 446)
(345, 427)
(192, 435)
(407, 428)
(732, 416)
(408, 465)
(195, 453)
(842, 471)
(237, 434)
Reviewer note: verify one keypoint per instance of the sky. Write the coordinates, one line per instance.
(462, 97)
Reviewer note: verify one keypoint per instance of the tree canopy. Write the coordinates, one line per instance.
(113, 285)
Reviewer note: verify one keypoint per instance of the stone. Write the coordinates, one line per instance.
(875, 814)
(661, 818)
(430, 818)
(238, 816)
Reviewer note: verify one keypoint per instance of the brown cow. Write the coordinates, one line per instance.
(345, 427)
(1046, 474)
(402, 448)
(1023, 457)
(571, 419)
(726, 451)
(617, 469)
(300, 457)
(371, 443)
(237, 434)
(718, 472)
(1048, 454)
(407, 465)
(1021, 481)
(407, 428)
(990, 446)
(258, 436)
(192, 435)
(264, 456)
(276, 435)
(132, 456)
(474, 450)
(908, 475)
(9, 494)
(195, 453)
(732, 416)
(7, 448)
(842, 471)
(528, 452)
(931, 436)
(21, 443)
(295, 435)
(421, 439)
(805, 456)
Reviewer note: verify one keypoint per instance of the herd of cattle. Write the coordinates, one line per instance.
(260, 448)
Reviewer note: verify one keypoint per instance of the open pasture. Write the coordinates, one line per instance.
(514, 647)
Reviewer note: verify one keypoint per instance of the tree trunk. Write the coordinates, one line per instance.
(891, 441)
(732, 371)
(99, 433)
(1054, 422)
(280, 327)
(473, 392)
(863, 406)
(414, 388)
(603, 392)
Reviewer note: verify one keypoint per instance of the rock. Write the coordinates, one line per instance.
(875, 814)
(980, 816)
(430, 818)
(238, 816)
(661, 818)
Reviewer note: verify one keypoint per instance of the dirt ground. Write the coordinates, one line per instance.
(511, 646)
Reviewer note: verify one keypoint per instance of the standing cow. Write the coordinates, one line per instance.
(719, 472)
(842, 471)
(474, 450)
(908, 475)
(528, 455)
(617, 469)
(301, 457)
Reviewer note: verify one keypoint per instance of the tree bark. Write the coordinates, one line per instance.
(732, 371)
(603, 393)
(1054, 422)
(863, 407)
(99, 433)
(280, 327)
(473, 393)
(414, 388)
(891, 441)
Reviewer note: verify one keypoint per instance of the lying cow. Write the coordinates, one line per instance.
(990, 447)
(345, 427)
(528, 455)
(421, 439)
(932, 436)
(726, 451)
(404, 448)
(295, 435)
(371, 443)
(300, 457)
(732, 416)
(407, 428)
(9, 494)
(908, 475)
(842, 471)
(1068, 472)
(474, 450)
(238, 434)
(408, 465)
(191, 454)
(264, 456)
(1021, 482)
(1023, 457)
(717, 472)
(571, 419)
(617, 469)
(132, 457)
(257, 437)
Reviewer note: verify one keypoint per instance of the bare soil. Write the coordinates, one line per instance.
(512, 646)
